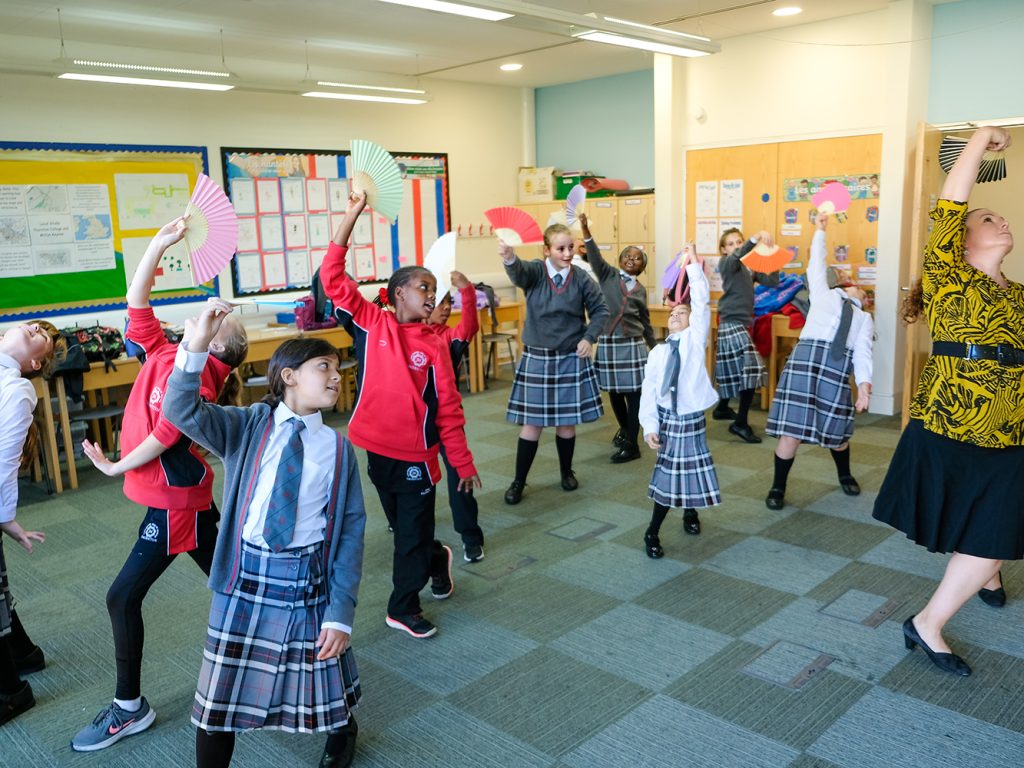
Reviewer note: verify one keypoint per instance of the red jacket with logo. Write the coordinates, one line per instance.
(179, 478)
(407, 402)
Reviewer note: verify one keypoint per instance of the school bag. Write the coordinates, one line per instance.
(99, 343)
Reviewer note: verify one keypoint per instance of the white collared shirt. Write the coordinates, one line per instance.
(628, 279)
(552, 271)
(17, 401)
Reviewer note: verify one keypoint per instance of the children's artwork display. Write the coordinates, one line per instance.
(75, 220)
(861, 186)
(289, 202)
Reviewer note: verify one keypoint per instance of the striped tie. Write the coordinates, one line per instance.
(557, 280)
(284, 497)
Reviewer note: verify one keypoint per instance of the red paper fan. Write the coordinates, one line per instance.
(593, 184)
(212, 230)
(763, 258)
(514, 226)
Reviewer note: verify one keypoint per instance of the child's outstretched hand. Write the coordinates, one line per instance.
(199, 331)
(99, 459)
(467, 484)
(653, 441)
(20, 535)
(459, 280)
(331, 642)
(821, 221)
(583, 349)
(506, 252)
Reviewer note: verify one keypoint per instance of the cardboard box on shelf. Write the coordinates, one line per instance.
(565, 184)
(536, 185)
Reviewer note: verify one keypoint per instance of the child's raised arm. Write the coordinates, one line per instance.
(341, 288)
(142, 282)
(469, 323)
(595, 258)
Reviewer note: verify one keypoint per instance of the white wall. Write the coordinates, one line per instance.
(480, 127)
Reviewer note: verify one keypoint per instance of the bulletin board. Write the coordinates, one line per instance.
(769, 187)
(290, 202)
(75, 220)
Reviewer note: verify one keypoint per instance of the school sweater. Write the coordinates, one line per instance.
(179, 478)
(17, 402)
(407, 403)
(826, 309)
(693, 390)
(627, 308)
(457, 339)
(736, 304)
(555, 317)
(239, 436)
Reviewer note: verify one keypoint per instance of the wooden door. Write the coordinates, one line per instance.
(636, 219)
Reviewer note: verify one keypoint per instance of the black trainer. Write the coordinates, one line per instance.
(415, 625)
(441, 584)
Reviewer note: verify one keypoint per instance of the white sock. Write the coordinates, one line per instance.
(129, 705)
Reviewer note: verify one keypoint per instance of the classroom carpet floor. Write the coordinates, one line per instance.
(772, 639)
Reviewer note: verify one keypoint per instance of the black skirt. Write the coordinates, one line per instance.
(952, 496)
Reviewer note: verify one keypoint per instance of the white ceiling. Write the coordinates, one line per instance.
(264, 39)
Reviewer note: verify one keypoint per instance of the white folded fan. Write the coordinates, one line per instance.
(440, 260)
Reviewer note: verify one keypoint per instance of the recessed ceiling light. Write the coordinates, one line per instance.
(510, 67)
(788, 10)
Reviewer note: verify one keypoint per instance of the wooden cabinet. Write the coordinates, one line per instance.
(636, 219)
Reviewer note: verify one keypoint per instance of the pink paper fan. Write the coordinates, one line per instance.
(833, 197)
(212, 230)
(573, 203)
(514, 226)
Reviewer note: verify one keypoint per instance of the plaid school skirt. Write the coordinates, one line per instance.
(684, 474)
(554, 389)
(6, 601)
(259, 664)
(737, 364)
(812, 402)
(620, 363)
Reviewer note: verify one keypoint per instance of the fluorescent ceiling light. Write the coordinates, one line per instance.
(510, 67)
(146, 81)
(329, 84)
(643, 45)
(147, 68)
(363, 97)
(456, 8)
(789, 10)
(649, 28)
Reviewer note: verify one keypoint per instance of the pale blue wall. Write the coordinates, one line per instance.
(605, 125)
(977, 62)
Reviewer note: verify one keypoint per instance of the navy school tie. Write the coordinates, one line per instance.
(671, 381)
(557, 280)
(838, 349)
(284, 498)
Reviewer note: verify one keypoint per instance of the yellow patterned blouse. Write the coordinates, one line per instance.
(975, 401)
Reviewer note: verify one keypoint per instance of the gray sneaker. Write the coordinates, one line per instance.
(111, 725)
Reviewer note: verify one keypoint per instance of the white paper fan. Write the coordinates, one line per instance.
(375, 172)
(574, 204)
(211, 230)
(440, 260)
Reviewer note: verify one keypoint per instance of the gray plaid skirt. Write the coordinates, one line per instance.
(812, 402)
(737, 364)
(259, 664)
(619, 363)
(554, 389)
(6, 601)
(684, 474)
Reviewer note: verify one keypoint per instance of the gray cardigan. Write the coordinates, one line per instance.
(628, 313)
(736, 304)
(238, 437)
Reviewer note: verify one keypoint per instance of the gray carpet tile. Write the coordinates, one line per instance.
(615, 570)
(826, 534)
(854, 508)
(901, 553)
(908, 733)
(679, 545)
(776, 564)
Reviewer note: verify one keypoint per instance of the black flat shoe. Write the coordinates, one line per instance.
(344, 743)
(723, 414)
(744, 433)
(994, 597)
(514, 494)
(12, 705)
(947, 662)
(849, 486)
(569, 481)
(625, 453)
(33, 662)
(776, 499)
(692, 525)
(619, 440)
(652, 546)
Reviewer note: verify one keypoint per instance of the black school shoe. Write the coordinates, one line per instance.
(13, 704)
(776, 499)
(625, 453)
(723, 414)
(345, 746)
(33, 662)
(569, 481)
(849, 486)
(514, 494)
(619, 440)
(691, 524)
(744, 433)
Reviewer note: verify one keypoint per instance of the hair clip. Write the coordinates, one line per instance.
(381, 299)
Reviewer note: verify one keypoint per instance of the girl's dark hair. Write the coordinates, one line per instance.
(912, 306)
(730, 231)
(292, 354)
(400, 277)
(636, 248)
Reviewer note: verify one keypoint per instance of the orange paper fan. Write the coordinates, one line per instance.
(763, 258)
(514, 226)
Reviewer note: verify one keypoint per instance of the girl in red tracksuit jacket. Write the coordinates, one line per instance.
(407, 404)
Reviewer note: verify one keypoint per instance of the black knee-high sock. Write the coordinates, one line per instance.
(214, 750)
(782, 467)
(746, 398)
(618, 402)
(566, 447)
(10, 681)
(633, 422)
(525, 452)
(657, 518)
(842, 460)
(723, 403)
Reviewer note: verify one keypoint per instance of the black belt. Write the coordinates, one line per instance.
(1003, 354)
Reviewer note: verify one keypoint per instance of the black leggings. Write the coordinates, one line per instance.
(146, 563)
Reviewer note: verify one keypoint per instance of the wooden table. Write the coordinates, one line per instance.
(507, 312)
(780, 330)
(97, 383)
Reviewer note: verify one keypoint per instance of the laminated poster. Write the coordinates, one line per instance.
(730, 199)
(706, 199)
